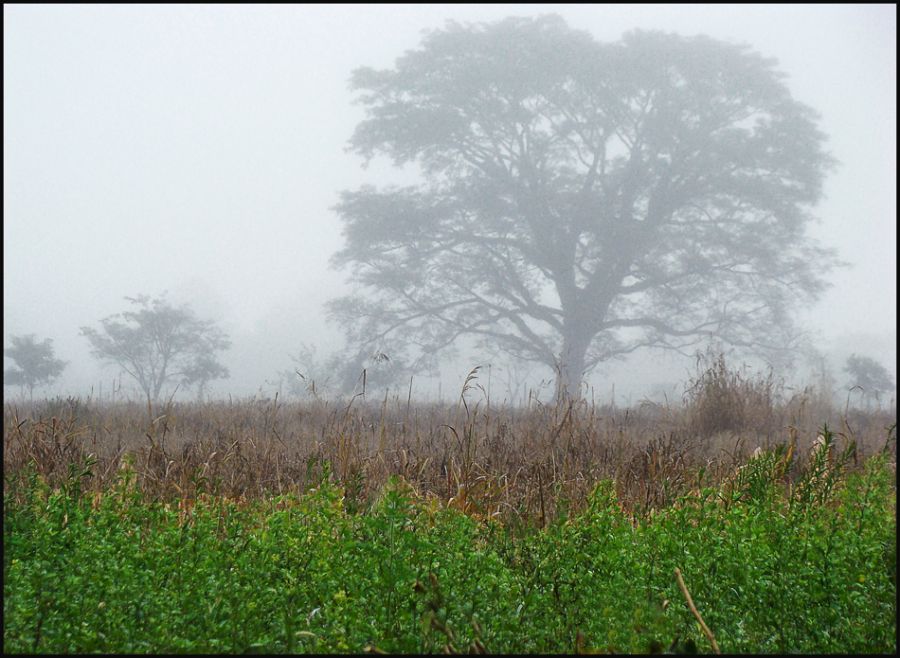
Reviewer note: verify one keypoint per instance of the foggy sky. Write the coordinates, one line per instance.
(198, 149)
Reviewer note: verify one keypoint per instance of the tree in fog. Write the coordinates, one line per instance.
(580, 200)
(35, 363)
(309, 374)
(339, 372)
(158, 344)
(869, 375)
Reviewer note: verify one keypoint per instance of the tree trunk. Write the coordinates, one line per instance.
(571, 366)
(157, 387)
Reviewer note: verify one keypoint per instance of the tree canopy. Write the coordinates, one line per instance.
(35, 363)
(580, 200)
(869, 375)
(159, 344)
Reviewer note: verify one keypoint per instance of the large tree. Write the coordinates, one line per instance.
(158, 344)
(35, 363)
(580, 200)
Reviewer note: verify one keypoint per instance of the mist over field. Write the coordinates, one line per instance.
(203, 151)
(449, 329)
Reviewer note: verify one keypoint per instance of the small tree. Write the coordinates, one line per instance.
(342, 372)
(159, 344)
(872, 377)
(203, 370)
(310, 375)
(35, 363)
(824, 385)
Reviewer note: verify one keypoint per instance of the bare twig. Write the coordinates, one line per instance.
(690, 602)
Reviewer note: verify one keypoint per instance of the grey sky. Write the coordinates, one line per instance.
(199, 148)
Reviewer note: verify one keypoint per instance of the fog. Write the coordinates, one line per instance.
(200, 150)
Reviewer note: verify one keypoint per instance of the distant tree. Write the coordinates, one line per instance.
(824, 385)
(580, 200)
(159, 344)
(345, 372)
(872, 377)
(309, 375)
(35, 363)
(203, 370)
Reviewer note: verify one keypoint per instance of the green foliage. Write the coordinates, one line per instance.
(809, 569)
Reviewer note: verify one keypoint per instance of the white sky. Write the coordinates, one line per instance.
(199, 149)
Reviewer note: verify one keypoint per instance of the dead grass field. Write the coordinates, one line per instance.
(508, 463)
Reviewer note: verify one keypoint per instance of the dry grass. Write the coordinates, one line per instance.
(517, 464)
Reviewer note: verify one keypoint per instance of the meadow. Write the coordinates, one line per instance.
(740, 520)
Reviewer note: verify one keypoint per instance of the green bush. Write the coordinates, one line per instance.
(810, 569)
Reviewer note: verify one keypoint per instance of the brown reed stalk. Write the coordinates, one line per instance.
(693, 608)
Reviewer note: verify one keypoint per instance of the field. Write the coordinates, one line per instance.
(738, 521)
